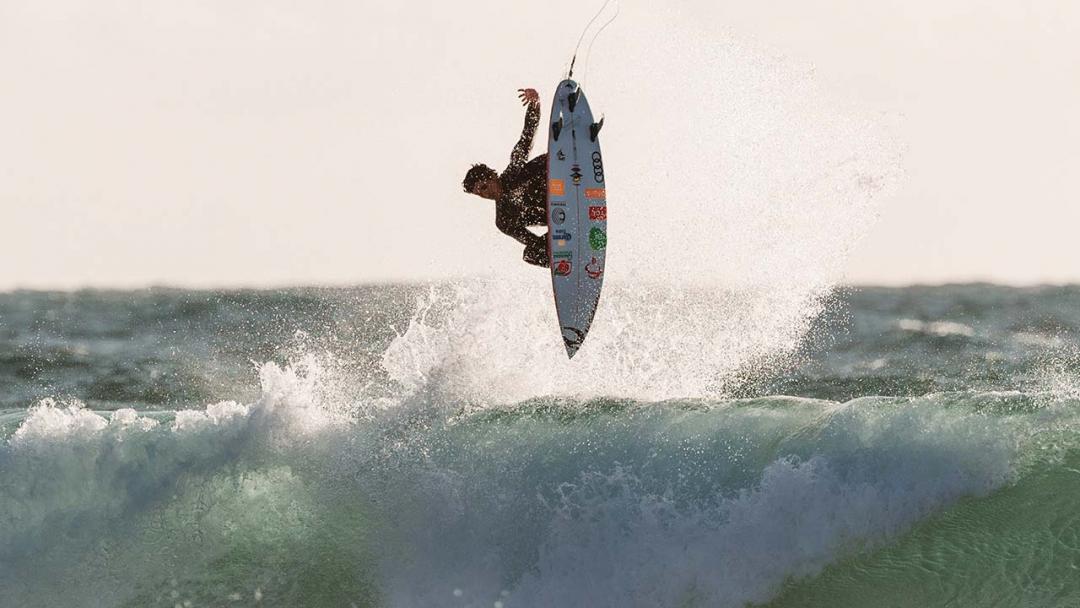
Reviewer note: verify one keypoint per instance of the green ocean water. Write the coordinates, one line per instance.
(424, 446)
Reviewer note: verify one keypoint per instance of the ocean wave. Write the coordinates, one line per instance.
(552, 501)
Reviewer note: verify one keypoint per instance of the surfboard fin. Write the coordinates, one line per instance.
(572, 99)
(556, 128)
(594, 129)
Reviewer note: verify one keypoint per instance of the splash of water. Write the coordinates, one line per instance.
(732, 211)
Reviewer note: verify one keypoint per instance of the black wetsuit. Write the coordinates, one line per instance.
(524, 198)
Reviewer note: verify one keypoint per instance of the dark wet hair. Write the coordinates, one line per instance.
(478, 173)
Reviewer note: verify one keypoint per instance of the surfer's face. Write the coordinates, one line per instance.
(489, 189)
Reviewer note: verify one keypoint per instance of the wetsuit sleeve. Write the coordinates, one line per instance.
(517, 231)
(520, 154)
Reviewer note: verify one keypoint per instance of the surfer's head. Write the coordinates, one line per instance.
(482, 181)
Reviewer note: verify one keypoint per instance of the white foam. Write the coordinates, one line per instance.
(214, 414)
(936, 328)
(50, 419)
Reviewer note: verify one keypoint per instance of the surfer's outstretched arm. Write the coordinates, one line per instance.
(531, 100)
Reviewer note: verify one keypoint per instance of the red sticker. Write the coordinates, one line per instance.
(598, 214)
(597, 193)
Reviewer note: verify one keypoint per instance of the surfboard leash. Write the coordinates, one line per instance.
(588, 51)
(570, 74)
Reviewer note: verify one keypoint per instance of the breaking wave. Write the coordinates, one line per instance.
(555, 501)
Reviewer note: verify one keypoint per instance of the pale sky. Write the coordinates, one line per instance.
(282, 142)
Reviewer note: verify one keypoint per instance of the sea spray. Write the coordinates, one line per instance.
(732, 212)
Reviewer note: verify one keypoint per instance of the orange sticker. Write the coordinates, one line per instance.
(557, 187)
(595, 193)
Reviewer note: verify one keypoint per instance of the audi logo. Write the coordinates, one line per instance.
(597, 167)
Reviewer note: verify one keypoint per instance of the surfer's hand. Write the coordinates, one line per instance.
(536, 253)
(528, 96)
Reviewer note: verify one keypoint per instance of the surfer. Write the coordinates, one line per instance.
(520, 191)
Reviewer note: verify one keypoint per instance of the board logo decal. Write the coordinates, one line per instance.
(597, 167)
(563, 268)
(558, 216)
(561, 237)
(595, 193)
(575, 173)
(598, 214)
(557, 187)
(597, 239)
(561, 155)
(594, 269)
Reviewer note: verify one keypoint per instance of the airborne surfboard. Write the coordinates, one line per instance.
(577, 212)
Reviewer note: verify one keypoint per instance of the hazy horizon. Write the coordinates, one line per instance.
(271, 145)
(238, 287)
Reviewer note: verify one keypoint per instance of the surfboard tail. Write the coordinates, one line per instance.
(572, 339)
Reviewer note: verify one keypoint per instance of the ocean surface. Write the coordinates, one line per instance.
(429, 445)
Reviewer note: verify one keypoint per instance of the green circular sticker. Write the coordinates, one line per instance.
(597, 239)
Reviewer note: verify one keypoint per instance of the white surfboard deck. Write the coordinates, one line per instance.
(577, 213)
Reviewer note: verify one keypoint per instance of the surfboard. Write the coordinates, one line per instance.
(577, 213)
